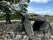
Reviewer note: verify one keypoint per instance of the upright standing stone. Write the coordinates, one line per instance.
(29, 29)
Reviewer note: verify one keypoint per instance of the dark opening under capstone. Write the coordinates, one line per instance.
(37, 24)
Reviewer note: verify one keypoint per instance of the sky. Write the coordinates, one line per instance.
(43, 7)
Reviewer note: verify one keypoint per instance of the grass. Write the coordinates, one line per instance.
(12, 20)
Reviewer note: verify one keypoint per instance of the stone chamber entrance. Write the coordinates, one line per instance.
(37, 24)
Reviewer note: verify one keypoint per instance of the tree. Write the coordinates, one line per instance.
(4, 7)
(7, 5)
(23, 10)
(47, 15)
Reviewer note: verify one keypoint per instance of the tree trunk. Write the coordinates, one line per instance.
(8, 21)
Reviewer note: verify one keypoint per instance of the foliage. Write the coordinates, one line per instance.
(47, 15)
(8, 7)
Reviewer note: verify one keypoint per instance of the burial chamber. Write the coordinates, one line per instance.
(37, 24)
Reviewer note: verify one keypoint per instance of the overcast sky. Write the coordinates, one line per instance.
(41, 7)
